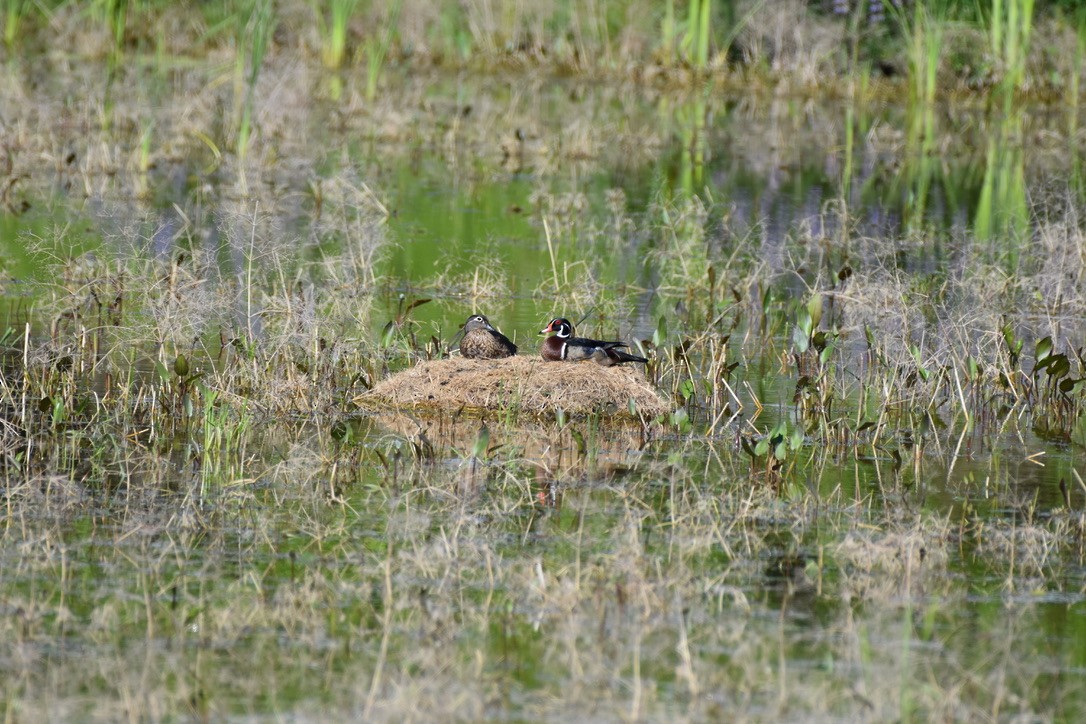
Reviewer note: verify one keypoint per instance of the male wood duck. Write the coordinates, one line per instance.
(563, 346)
(482, 341)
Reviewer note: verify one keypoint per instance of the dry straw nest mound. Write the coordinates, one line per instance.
(525, 383)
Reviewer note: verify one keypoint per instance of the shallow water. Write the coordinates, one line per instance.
(209, 547)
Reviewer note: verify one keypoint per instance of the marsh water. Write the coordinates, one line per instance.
(366, 562)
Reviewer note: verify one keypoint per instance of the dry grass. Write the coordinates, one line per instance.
(523, 383)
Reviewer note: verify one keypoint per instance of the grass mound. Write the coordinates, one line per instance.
(523, 382)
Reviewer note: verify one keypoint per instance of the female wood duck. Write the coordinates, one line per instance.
(563, 346)
(481, 341)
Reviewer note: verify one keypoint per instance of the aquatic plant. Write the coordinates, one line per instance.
(15, 13)
(695, 43)
(1003, 209)
(252, 32)
(333, 19)
(1010, 27)
(376, 48)
(114, 15)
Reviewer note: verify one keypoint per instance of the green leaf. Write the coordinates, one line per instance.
(659, 335)
(181, 366)
(814, 309)
(1060, 366)
(804, 321)
(58, 411)
(482, 442)
(686, 389)
(778, 433)
(800, 340)
(1014, 345)
(827, 352)
(1043, 349)
(386, 334)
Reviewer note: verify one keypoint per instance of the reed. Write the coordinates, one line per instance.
(377, 50)
(15, 13)
(1010, 29)
(114, 15)
(333, 19)
(1003, 207)
(253, 28)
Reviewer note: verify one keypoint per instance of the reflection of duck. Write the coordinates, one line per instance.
(563, 346)
(482, 341)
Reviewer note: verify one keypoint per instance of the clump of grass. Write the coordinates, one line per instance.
(333, 19)
(1010, 27)
(376, 49)
(15, 13)
(252, 32)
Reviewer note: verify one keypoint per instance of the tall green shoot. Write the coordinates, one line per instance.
(1010, 26)
(668, 31)
(1073, 96)
(1003, 207)
(254, 27)
(923, 30)
(15, 11)
(333, 17)
(695, 41)
(114, 14)
(377, 49)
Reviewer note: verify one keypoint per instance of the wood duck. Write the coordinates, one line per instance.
(563, 346)
(481, 341)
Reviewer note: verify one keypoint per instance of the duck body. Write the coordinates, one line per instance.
(562, 346)
(481, 340)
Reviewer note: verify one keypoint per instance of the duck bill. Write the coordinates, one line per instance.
(548, 330)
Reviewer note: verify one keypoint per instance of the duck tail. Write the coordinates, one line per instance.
(611, 356)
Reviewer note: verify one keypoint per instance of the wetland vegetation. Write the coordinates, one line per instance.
(848, 236)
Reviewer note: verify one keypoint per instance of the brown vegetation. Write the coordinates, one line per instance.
(522, 382)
